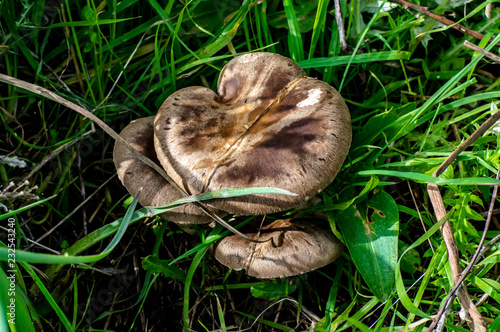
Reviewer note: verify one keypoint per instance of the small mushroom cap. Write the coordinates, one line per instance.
(298, 245)
(269, 126)
(135, 174)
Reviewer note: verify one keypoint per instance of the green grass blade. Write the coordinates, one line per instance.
(25, 208)
(319, 25)
(88, 23)
(60, 314)
(418, 177)
(223, 193)
(294, 37)
(120, 226)
(187, 286)
(267, 323)
(156, 265)
(360, 41)
(358, 58)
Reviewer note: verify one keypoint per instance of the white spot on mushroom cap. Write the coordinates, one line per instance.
(312, 98)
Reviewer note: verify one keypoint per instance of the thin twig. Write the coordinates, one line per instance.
(128, 61)
(447, 232)
(458, 283)
(485, 213)
(472, 138)
(36, 243)
(476, 254)
(309, 314)
(425, 10)
(489, 245)
(83, 191)
(476, 48)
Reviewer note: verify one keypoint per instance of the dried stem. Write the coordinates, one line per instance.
(448, 301)
(340, 24)
(476, 48)
(477, 322)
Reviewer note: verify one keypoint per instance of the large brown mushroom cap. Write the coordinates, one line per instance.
(269, 126)
(134, 174)
(297, 246)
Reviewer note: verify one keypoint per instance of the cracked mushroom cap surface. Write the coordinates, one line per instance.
(134, 174)
(298, 245)
(268, 126)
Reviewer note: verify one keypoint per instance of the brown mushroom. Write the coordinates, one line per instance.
(297, 246)
(135, 175)
(268, 126)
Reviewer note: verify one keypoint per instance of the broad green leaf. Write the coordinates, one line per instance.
(370, 230)
(156, 265)
(271, 290)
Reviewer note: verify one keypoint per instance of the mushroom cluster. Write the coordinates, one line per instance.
(269, 125)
